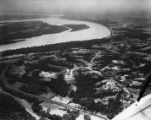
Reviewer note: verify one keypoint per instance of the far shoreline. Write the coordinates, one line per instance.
(30, 47)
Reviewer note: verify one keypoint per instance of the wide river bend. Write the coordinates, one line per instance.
(95, 31)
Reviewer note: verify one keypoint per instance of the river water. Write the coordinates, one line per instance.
(95, 31)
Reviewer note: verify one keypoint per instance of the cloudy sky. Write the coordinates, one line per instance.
(73, 6)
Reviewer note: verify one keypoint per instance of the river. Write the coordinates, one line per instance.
(95, 31)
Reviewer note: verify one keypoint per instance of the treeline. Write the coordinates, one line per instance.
(58, 46)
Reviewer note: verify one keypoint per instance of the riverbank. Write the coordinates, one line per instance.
(95, 31)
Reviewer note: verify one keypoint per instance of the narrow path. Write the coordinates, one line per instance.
(90, 65)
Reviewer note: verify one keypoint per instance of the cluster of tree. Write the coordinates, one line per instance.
(2, 66)
(137, 33)
(34, 89)
(86, 117)
(57, 62)
(113, 107)
(85, 85)
(33, 84)
(59, 86)
(44, 66)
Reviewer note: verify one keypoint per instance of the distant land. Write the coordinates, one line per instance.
(11, 32)
(19, 17)
(76, 27)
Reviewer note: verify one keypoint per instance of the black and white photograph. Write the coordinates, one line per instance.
(75, 59)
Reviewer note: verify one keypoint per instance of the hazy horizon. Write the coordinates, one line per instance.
(75, 7)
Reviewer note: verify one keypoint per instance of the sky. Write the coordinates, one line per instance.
(73, 6)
